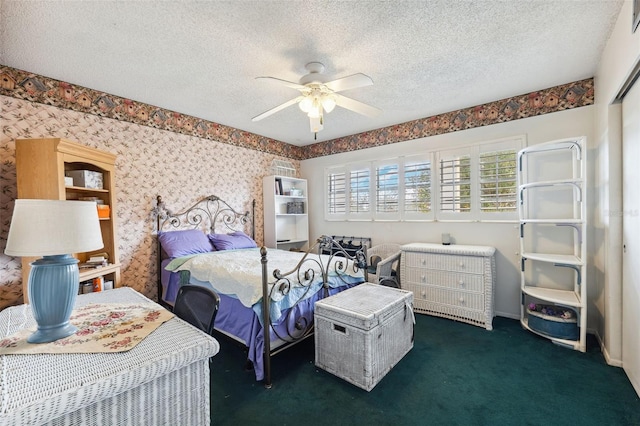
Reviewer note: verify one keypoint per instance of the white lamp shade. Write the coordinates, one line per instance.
(305, 104)
(53, 227)
(328, 104)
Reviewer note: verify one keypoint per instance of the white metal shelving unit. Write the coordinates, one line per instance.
(552, 212)
(285, 227)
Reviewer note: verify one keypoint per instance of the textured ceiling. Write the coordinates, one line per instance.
(201, 58)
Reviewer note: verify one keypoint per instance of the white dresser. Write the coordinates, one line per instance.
(454, 281)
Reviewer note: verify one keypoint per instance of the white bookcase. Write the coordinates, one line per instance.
(286, 220)
(553, 232)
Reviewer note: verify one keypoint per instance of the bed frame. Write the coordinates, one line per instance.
(212, 214)
(208, 214)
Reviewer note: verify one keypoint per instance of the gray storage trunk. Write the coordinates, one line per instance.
(362, 332)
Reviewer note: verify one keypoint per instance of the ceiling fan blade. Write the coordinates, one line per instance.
(356, 106)
(349, 82)
(278, 108)
(285, 82)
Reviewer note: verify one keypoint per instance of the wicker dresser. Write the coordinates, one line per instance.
(164, 380)
(454, 281)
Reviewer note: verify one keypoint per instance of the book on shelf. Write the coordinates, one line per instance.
(87, 265)
(98, 284)
(93, 263)
(279, 186)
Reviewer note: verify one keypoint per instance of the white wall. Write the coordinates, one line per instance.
(503, 236)
(621, 54)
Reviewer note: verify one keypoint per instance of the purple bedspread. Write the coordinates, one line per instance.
(170, 283)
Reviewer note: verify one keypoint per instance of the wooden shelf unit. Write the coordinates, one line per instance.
(40, 167)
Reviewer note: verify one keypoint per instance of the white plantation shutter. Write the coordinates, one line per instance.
(497, 177)
(417, 191)
(472, 183)
(359, 194)
(455, 183)
(497, 189)
(387, 190)
(337, 193)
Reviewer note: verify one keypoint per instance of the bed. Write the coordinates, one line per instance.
(212, 244)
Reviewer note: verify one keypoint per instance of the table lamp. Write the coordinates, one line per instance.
(53, 229)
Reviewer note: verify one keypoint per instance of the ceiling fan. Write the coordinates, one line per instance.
(318, 96)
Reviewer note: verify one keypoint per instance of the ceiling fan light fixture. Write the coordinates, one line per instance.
(316, 109)
(319, 96)
(315, 123)
(305, 104)
(328, 103)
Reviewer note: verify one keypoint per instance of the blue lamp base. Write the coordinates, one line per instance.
(53, 287)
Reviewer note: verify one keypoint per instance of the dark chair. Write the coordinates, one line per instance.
(198, 306)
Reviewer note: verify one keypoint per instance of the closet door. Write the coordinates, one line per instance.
(631, 235)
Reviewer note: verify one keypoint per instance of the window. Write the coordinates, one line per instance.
(403, 188)
(359, 201)
(348, 192)
(337, 193)
(387, 189)
(497, 176)
(455, 183)
(497, 187)
(472, 183)
(417, 188)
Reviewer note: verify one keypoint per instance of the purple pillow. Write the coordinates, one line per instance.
(182, 243)
(235, 240)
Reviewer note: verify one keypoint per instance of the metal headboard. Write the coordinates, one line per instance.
(208, 214)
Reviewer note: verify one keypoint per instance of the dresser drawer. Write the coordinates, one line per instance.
(443, 296)
(445, 262)
(452, 280)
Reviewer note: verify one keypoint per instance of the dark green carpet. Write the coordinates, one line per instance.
(456, 374)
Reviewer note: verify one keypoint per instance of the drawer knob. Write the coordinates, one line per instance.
(461, 300)
(423, 278)
(462, 264)
(423, 261)
(461, 283)
(424, 294)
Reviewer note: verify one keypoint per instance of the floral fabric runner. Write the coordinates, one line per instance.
(105, 327)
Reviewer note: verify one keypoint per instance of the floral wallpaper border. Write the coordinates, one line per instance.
(28, 86)
(554, 99)
(35, 88)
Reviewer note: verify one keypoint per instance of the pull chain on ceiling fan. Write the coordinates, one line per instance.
(317, 97)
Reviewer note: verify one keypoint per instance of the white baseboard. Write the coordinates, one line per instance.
(607, 357)
(508, 315)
